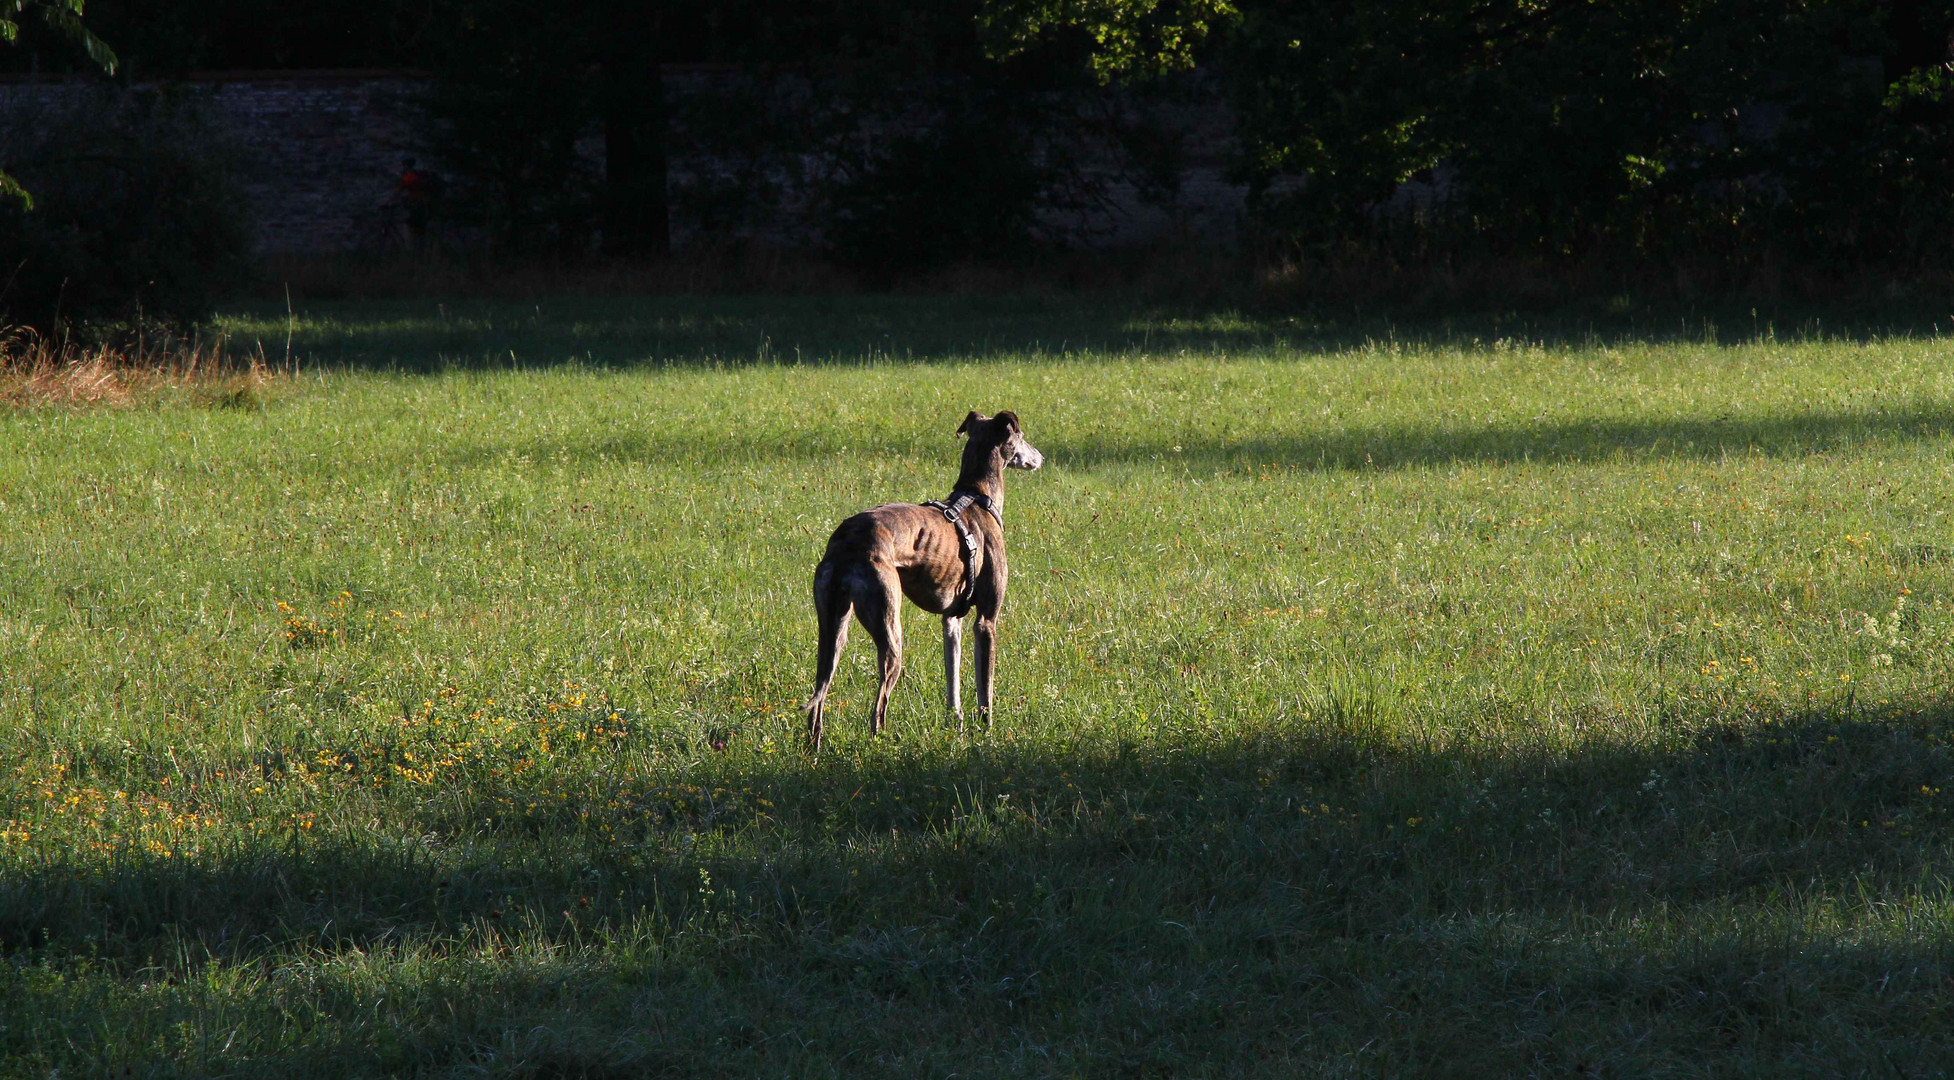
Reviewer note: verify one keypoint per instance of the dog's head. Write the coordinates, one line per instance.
(1001, 435)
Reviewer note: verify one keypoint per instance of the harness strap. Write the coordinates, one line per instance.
(953, 511)
(962, 499)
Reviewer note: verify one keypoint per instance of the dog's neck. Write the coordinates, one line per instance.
(983, 471)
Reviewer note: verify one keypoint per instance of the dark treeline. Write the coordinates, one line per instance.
(1641, 132)
(1731, 129)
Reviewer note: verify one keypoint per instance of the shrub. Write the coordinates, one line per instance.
(136, 212)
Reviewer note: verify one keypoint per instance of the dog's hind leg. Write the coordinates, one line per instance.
(831, 605)
(986, 662)
(878, 604)
(953, 667)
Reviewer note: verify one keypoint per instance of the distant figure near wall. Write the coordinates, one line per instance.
(417, 192)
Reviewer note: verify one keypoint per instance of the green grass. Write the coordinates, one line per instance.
(1366, 709)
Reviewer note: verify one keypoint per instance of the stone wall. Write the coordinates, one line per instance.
(1207, 205)
(321, 150)
(324, 150)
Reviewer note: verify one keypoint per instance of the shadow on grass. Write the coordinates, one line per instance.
(1328, 449)
(1772, 887)
(1779, 435)
(632, 332)
(624, 333)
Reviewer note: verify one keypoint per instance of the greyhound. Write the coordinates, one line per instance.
(945, 558)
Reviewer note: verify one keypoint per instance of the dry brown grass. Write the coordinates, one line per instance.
(40, 372)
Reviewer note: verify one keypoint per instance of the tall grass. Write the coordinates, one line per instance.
(39, 371)
(1374, 710)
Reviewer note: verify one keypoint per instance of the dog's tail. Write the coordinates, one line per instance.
(832, 603)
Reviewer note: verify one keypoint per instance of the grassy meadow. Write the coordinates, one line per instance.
(1458, 702)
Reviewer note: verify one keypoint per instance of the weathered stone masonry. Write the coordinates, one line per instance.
(322, 149)
(324, 152)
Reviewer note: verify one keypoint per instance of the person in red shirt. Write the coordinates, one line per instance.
(416, 192)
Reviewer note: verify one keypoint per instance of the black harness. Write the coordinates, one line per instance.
(953, 510)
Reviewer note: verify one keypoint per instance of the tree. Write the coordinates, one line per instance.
(1562, 127)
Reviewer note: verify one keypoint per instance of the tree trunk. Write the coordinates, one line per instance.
(637, 215)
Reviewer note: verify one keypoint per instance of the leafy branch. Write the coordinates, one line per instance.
(1130, 37)
(63, 17)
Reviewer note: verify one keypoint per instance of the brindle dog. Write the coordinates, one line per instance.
(901, 549)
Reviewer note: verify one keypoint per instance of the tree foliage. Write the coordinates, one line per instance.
(159, 38)
(1122, 37)
(62, 18)
(1565, 126)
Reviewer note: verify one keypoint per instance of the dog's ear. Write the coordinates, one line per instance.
(1011, 419)
(969, 423)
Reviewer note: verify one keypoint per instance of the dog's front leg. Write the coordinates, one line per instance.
(986, 664)
(953, 667)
